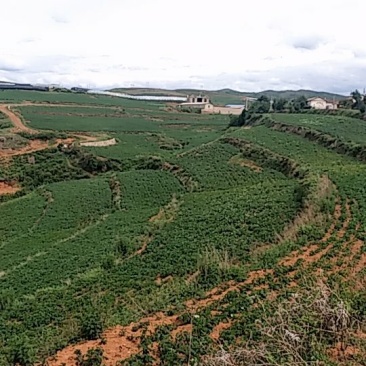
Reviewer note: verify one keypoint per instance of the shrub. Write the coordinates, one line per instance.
(91, 326)
(21, 352)
(122, 247)
(94, 357)
(108, 262)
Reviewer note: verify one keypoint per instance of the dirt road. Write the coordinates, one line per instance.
(36, 145)
(15, 120)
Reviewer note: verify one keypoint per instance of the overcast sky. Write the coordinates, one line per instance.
(210, 44)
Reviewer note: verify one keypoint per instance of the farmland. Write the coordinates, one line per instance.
(345, 128)
(183, 237)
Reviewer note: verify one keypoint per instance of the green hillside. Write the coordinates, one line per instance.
(184, 242)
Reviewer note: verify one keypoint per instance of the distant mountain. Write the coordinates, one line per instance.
(291, 94)
(229, 96)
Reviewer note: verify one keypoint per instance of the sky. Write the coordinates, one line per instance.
(206, 44)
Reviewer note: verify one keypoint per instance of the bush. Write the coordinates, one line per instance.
(6, 299)
(21, 352)
(108, 262)
(91, 326)
(122, 247)
(94, 357)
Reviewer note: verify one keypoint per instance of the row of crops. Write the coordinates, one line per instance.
(124, 118)
(348, 174)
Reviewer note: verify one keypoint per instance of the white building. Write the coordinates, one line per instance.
(194, 101)
(321, 103)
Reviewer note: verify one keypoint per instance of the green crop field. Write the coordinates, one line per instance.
(344, 128)
(124, 119)
(182, 238)
(17, 96)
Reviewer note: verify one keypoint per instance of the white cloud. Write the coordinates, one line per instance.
(210, 44)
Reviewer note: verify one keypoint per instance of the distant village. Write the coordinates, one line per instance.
(264, 104)
(204, 105)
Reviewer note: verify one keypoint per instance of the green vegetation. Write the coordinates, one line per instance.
(4, 122)
(344, 128)
(16, 96)
(185, 233)
(128, 119)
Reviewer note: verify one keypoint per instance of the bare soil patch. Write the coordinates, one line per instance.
(8, 188)
(215, 334)
(237, 160)
(34, 145)
(181, 329)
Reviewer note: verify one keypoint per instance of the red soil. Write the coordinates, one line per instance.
(8, 188)
(180, 329)
(34, 145)
(15, 120)
(146, 240)
(215, 334)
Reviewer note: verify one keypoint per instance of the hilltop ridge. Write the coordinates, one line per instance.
(227, 95)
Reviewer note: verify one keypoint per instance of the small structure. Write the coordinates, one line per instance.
(322, 103)
(198, 99)
(195, 101)
(247, 101)
(204, 104)
(229, 109)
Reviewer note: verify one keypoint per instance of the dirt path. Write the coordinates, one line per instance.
(37, 145)
(33, 146)
(15, 120)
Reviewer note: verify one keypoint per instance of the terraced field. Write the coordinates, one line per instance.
(344, 128)
(182, 240)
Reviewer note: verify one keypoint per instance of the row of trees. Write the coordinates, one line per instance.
(357, 102)
(264, 105)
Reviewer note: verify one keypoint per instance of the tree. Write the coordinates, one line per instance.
(346, 103)
(261, 105)
(300, 104)
(279, 105)
(239, 121)
(358, 101)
